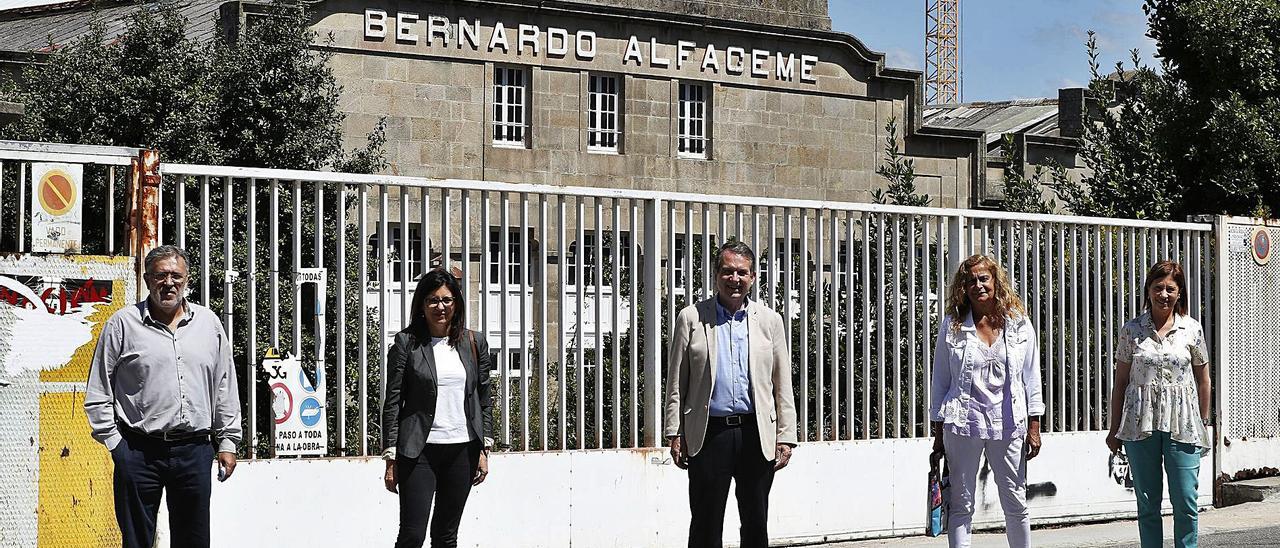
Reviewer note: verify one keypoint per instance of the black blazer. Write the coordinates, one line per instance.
(409, 408)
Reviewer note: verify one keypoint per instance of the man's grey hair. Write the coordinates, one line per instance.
(737, 247)
(165, 252)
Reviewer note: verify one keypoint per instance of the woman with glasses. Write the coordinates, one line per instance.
(1160, 405)
(436, 420)
(986, 396)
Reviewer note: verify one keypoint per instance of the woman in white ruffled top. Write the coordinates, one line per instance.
(1160, 405)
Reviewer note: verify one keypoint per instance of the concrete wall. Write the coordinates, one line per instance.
(831, 491)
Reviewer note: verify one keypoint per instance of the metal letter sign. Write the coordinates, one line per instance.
(56, 207)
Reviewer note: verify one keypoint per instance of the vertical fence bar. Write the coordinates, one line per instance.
(804, 319)
(446, 243)
(403, 251)
(180, 212)
(464, 242)
(204, 241)
(250, 394)
(504, 299)
(22, 207)
(818, 347)
(634, 326)
(760, 252)
(341, 344)
(880, 324)
(424, 232)
(579, 256)
(273, 282)
(228, 275)
(774, 267)
(849, 377)
(1036, 296)
(110, 246)
(542, 305)
(926, 341)
(487, 278)
(897, 325)
(616, 327)
(1096, 274)
(362, 349)
(384, 280)
(1112, 317)
(652, 329)
(1085, 350)
(833, 305)
(913, 344)
(1061, 365)
(562, 388)
(705, 259)
(1073, 318)
(867, 325)
(296, 263)
(523, 272)
(599, 267)
(689, 248)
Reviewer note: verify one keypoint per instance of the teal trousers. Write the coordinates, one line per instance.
(1181, 464)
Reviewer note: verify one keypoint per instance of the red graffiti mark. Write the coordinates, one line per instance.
(13, 298)
(70, 296)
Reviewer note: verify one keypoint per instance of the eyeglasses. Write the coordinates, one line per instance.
(440, 301)
(158, 277)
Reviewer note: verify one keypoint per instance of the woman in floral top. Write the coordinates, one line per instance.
(1160, 404)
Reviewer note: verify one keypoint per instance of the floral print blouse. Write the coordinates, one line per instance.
(1162, 394)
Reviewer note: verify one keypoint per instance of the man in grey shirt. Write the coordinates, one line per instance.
(161, 395)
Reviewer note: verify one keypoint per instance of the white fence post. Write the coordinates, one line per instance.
(651, 299)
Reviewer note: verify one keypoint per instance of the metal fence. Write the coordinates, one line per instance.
(574, 289)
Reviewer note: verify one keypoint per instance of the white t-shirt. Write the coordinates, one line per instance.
(450, 425)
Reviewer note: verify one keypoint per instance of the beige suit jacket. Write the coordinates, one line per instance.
(691, 374)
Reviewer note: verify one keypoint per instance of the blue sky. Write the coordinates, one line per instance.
(1010, 49)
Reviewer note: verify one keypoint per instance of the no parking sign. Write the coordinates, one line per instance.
(297, 407)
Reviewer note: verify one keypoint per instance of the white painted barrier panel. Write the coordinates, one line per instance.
(636, 498)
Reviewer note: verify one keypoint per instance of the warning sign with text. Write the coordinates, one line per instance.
(56, 217)
(297, 407)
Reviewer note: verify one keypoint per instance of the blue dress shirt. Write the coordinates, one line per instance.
(732, 393)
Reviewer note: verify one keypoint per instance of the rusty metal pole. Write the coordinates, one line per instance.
(144, 212)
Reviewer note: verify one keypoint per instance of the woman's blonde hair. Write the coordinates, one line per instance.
(1007, 302)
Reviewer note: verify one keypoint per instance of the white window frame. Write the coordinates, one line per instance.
(694, 139)
(416, 261)
(592, 262)
(604, 113)
(517, 265)
(510, 107)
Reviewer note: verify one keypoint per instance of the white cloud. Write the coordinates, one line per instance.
(901, 58)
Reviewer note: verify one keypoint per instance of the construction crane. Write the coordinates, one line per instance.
(942, 52)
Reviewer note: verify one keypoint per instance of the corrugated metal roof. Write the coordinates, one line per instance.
(1034, 116)
(37, 28)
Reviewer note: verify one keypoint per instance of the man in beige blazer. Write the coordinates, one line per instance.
(730, 412)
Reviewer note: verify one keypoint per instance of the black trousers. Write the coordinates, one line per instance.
(144, 468)
(442, 471)
(729, 452)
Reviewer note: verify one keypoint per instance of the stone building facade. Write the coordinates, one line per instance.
(784, 111)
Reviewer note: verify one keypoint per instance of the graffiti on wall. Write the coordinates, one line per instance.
(52, 309)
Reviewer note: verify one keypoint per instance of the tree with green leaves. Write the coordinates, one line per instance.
(1202, 134)
(899, 171)
(263, 98)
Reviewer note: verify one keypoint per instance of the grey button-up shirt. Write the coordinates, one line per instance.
(156, 380)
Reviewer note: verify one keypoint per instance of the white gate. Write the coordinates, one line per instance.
(1248, 379)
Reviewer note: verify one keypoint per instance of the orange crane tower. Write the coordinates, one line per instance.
(942, 82)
